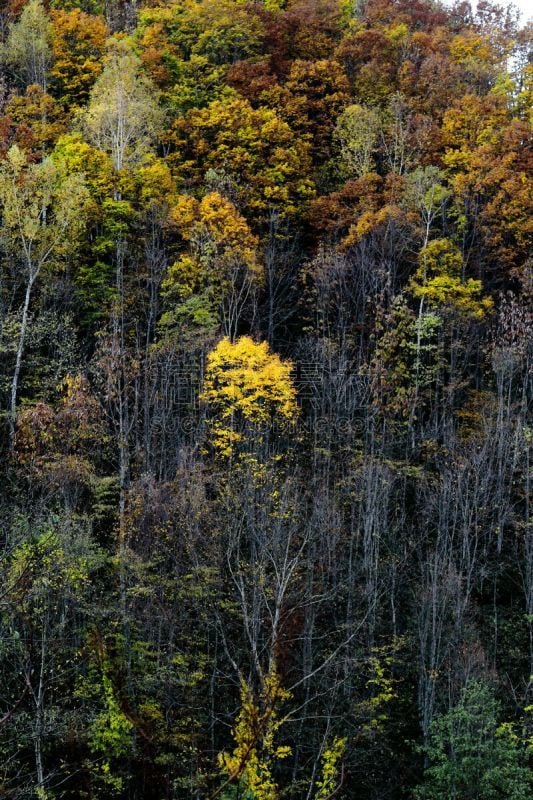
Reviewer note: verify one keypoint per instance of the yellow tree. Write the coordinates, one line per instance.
(440, 284)
(251, 763)
(78, 45)
(221, 265)
(438, 281)
(269, 166)
(246, 385)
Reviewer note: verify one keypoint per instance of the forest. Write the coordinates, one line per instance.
(266, 314)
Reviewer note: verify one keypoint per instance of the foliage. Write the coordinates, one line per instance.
(78, 46)
(356, 134)
(48, 569)
(265, 389)
(270, 166)
(255, 753)
(37, 119)
(187, 47)
(42, 208)
(471, 755)
(28, 48)
(331, 757)
(122, 115)
(246, 382)
(438, 280)
(220, 240)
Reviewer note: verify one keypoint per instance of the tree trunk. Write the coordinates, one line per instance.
(18, 362)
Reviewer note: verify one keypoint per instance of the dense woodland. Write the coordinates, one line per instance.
(265, 353)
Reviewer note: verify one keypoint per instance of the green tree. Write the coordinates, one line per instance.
(42, 217)
(471, 756)
(28, 48)
(356, 135)
(123, 117)
(45, 583)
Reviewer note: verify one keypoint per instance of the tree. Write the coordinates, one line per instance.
(471, 756)
(255, 754)
(56, 446)
(77, 156)
(269, 165)
(122, 117)
(246, 383)
(78, 46)
(222, 263)
(42, 216)
(28, 48)
(261, 370)
(356, 135)
(426, 193)
(187, 47)
(438, 280)
(310, 100)
(46, 578)
(38, 120)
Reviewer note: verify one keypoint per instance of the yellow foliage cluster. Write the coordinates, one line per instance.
(255, 751)
(370, 221)
(331, 758)
(272, 164)
(470, 46)
(79, 157)
(246, 383)
(78, 46)
(220, 241)
(156, 184)
(438, 280)
(471, 123)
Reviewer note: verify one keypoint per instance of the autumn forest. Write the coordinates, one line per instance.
(266, 315)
